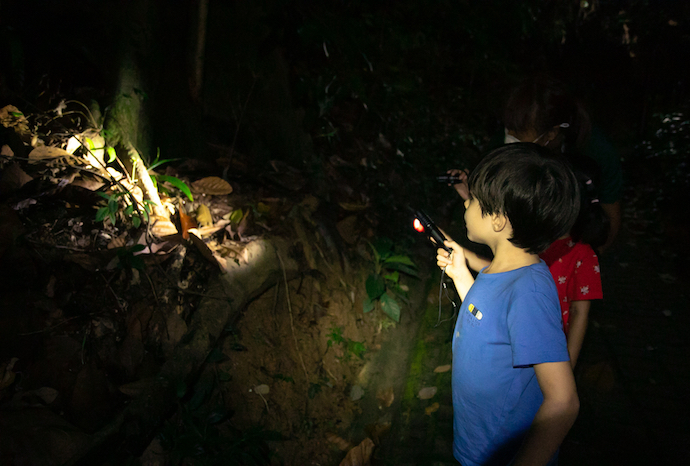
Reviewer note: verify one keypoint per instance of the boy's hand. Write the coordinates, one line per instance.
(462, 188)
(455, 266)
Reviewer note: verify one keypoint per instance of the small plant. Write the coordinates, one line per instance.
(350, 347)
(383, 285)
(112, 207)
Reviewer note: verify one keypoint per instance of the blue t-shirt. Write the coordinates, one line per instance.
(507, 323)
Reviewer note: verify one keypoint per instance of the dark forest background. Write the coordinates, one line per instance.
(411, 87)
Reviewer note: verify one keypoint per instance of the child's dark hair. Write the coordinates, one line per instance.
(534, 189)
(542, 103)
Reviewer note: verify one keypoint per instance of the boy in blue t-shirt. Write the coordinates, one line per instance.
(514, 396)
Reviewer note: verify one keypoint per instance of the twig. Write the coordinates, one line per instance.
(292, 324)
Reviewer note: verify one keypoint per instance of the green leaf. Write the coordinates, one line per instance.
(101, 214)
(112, 217)
(368, 305)
(158, 163)
(375, 286)
(129, 210)
(136, 221)
(112, 155)
(394, 277)
(391, 307)
(399, 259)
(103, 195)
(89, 143)
(236, 216)
(384, 246)
(17, 114)
(178, 183)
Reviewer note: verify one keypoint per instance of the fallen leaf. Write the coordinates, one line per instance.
(47, 152)
(359, 455)
(431, 409)
(162, 227)
(440, 369)
(262, 389)
(385, 397)
(352, 207)
(356, 392)
(47, 394)
(13, 178)
(212, 185)
(134, 389)
(427, 393)
(6, 151)
(203, 216)
(341, 443)
(186, 222)
(118, 242)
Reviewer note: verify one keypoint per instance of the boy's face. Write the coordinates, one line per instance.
(479, 226)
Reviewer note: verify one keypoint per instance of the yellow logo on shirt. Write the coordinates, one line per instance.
(475, 312)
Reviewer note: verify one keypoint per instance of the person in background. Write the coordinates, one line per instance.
(514, 396)
(541, 110)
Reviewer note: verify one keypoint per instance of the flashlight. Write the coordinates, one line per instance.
(423, 224)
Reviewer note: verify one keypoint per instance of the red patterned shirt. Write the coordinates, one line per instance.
(575, 269)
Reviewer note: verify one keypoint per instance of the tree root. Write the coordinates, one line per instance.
(266, 263)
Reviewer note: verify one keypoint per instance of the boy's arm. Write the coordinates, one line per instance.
(455, 266)
(579, 312)
(554, 418)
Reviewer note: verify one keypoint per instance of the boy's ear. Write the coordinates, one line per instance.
(499, 222)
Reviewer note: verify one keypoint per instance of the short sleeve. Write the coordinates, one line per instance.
(587, 279)
(536, 330)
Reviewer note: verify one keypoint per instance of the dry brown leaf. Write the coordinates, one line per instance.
(86, 261)
(339, 442)
(186, 223)
(7, 375)
(427, 393)
(377, 430)
(118, 242)
(162, 227)
(359, 455)
(385, 396)
(203, 216)
(11, 117)
(47, 394)
(212, 185)
(6, 151)
(432, 409)
(13, 178)
(445, 368)
(352, 206)
(47, 152)
(135, 389)
(204, 249)
(262, 389)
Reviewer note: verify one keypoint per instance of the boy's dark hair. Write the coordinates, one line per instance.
(534, 189)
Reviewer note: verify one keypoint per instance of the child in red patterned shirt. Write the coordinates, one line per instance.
(575, 266)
